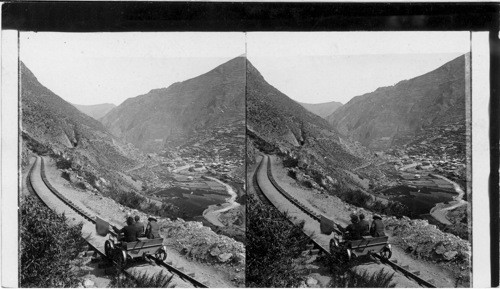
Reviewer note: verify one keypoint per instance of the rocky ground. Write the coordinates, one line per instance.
(218, 259)
(418, 244)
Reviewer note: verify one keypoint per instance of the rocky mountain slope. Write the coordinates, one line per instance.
(394, 115)
(278, 124)
(168, 116)
(95, 111)
(51, 125)
(321, 109)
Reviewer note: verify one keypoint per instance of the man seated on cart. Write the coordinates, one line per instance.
(377, 228)
(354, 230)
(130, 232)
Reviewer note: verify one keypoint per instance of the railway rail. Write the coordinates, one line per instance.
(189, 277)
(409, 274)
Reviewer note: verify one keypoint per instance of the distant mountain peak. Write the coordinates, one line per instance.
(394, 114)
(165, 115)
(96, 111)
(322, 109)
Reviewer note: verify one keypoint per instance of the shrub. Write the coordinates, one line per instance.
(131, 200)
(307, 184)
(272, 244)
(292, 174)
(62, 163)
(48, 247)
(65, 176)
(290, 162)
(344, 277)
(144, 280)
(81, 185)
(356, 198)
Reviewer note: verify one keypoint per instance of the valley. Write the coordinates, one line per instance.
(188, 174)
(399, 151)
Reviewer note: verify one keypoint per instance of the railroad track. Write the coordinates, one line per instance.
(189, 277)
(405, 271)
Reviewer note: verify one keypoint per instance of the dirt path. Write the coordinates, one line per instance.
(115, 214)
(333, 207)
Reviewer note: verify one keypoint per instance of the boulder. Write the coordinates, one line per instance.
(224, 257)
(440, 249)
(450, 255)
(311, 282)
(240, 258)
(88, 283)
(215, 251)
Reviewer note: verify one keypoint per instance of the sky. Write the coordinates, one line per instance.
(93, 68)
(317, 67)
(311, 67)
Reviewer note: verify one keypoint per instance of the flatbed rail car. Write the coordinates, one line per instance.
(124, 252)
(367, 245)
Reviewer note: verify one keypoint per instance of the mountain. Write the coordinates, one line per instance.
(276, 122)
(322, 109)
(50, 125)
(96, 111)
(167, 117)
(394, 115)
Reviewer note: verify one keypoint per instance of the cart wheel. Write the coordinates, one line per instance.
(161, 254)
(386, 253)
(121, 259)
(348, 254)
(334, 241)
(109, 246)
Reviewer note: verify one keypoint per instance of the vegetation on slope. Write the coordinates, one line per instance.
(48, 247)
(274, 245)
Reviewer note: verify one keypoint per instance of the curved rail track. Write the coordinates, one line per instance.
(310, 213)
(189, 277)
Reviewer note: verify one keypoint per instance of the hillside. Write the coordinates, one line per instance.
(95, 111)
(278, 124)
(394, 115)
(322, 109)
(168, 117)
(53, 126)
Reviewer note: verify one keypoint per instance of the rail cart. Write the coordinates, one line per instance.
(123, 252)
(367, 245)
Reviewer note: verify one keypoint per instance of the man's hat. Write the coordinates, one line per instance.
(377, 216)
(151, 218)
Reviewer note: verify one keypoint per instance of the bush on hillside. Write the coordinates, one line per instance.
(290, 162)
(144, 280)
(356, 198)
(272, 244)
(131, 200)
(48, 247)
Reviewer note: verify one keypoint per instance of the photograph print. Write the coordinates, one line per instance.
(358, 159)
(132, 159)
